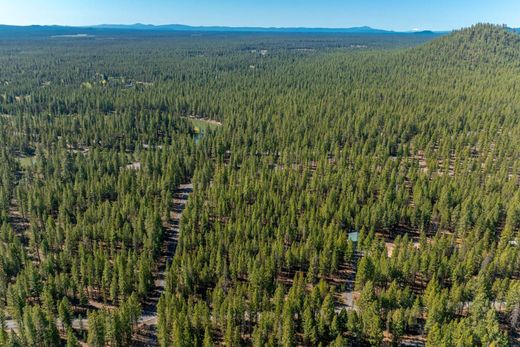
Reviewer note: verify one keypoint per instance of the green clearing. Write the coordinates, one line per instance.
(26, 162)
(202, 125)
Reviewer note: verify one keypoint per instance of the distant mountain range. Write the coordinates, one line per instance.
(187, 28)
(91, 29)
(180, 27)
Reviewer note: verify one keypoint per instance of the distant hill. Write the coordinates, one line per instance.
(481, 43)
(424, 32)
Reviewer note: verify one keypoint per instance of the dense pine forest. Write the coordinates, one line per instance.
(242, 189)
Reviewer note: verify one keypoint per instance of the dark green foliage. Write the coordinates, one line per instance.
(415, 150)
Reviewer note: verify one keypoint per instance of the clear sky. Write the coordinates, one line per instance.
(385, 14)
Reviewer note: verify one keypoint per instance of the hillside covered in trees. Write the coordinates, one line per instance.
(348, 190)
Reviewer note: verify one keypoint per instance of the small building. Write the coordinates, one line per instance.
(353, 236)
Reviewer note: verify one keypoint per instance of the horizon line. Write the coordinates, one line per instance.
(100, 25)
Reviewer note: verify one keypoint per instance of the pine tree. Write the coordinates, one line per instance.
(72, 341)
(96, 331)
(310, 333)
(207, 338)
(65, 313)
(370, 316)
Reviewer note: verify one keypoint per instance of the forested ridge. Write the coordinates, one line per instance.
(354, 193)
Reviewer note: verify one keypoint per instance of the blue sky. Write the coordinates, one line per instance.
(385, 14)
